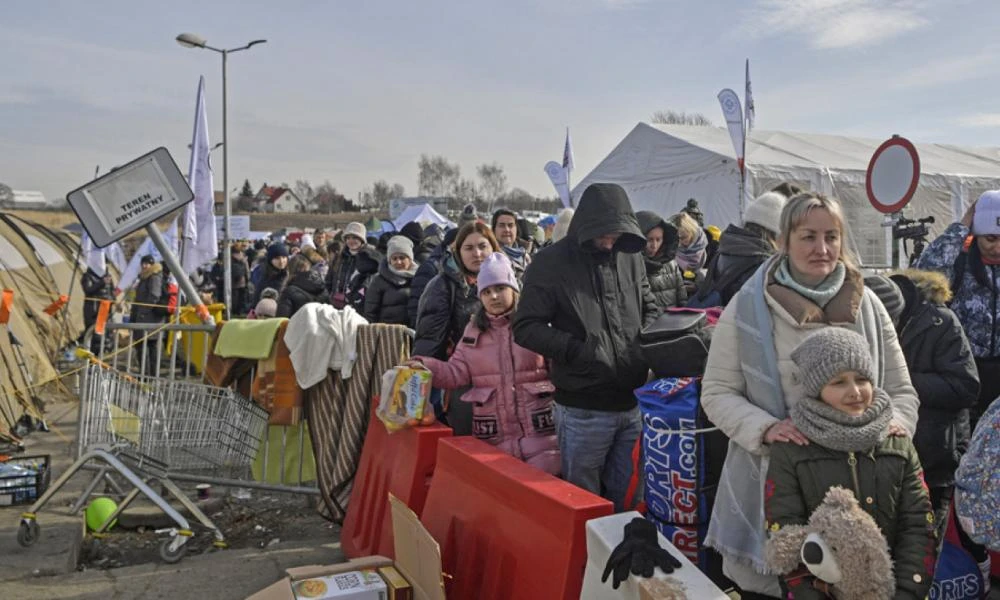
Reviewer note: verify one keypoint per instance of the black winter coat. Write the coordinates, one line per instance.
(302, 289)
(665, 282)
(268, 278)
(94, 287)
(149, 291)
(583, 309)
(942, 370)
(387, 297)
(740, 253)
(445, 308)
(425, 272)
(365, 268)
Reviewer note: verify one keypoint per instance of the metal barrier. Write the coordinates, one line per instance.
(143, 354)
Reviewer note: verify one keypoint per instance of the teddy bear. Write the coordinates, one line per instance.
(841, 546)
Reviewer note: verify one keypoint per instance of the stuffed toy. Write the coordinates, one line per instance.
(841, 546)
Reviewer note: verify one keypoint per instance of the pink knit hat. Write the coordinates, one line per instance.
(496, 270)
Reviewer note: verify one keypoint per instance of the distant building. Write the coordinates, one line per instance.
(277, 200)
(27, 200)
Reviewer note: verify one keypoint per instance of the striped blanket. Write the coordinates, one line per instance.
(338, 411)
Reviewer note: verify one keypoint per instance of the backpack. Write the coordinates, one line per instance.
(977, 483)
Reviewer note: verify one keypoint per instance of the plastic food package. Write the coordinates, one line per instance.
(405, 395)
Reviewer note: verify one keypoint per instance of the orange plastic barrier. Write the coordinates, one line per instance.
(6, 303)
(507, 530)
(401, 463)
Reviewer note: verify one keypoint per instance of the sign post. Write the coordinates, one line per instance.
(134, 196)
(891, 180)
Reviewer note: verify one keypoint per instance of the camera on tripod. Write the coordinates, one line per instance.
(912, 229)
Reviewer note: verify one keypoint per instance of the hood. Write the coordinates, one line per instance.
(367, 260)
(310, 282)
(604, 208)
(931, 285)
(154, 270)
(648, 220)
(736, 241)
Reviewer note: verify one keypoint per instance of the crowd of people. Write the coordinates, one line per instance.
(818, 375)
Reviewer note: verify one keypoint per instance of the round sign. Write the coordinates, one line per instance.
(893, 174)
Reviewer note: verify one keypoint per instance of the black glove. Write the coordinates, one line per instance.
(639, 552)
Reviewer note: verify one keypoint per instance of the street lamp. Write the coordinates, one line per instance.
(193, 40)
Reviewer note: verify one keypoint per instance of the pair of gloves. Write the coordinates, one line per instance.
(639, 553)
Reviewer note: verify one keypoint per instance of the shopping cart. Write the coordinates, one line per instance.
(146, 428)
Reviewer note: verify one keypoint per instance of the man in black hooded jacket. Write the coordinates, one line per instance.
(583, 303)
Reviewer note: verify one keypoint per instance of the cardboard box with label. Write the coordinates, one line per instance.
(416, 572)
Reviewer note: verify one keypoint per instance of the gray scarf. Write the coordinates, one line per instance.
(836, 430)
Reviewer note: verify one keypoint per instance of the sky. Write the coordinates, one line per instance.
(353, 91)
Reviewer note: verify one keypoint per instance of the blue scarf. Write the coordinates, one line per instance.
(820, 294)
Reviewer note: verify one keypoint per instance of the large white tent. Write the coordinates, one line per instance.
(662, 166)
(423, 214)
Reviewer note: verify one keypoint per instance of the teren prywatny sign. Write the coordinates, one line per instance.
(130, 197)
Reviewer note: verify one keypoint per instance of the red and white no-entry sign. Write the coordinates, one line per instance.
(893, 175)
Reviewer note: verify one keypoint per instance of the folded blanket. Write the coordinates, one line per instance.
(245, 338)
(275, 388)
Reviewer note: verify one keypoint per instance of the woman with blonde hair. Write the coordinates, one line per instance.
(693, 243)
(751, 381)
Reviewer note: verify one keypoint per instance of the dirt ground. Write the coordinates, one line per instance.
(260, 522)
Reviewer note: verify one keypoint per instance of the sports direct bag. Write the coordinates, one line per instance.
(403, 402)
(673, 470)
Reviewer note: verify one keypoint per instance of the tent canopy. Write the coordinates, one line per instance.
(661, 166)
(423, 214)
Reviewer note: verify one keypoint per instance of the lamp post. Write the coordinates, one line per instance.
(191, 40)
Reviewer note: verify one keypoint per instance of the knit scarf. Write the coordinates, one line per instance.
(514, 253)
(837, 430)
(407, 274)
(692, 257)
(822, 293)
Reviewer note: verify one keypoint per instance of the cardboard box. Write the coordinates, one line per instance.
(418, 559)
(398, 587)
(353, 585)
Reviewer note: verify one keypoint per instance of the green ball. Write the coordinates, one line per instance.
(98, 512)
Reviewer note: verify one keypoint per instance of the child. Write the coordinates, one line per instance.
(511, 392)
(846, 420)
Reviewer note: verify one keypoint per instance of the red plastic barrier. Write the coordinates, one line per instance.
(401, 463)
(508, 531)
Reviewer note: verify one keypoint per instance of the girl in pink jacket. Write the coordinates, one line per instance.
(511, 392)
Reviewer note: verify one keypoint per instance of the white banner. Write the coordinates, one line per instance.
(240, 225)
(567, 162)
(200, 239)
(557, 175)
(131, 272)
(733, 113)
(93, 257)
(751, 110)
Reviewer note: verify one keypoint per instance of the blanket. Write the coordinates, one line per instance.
(246, 338)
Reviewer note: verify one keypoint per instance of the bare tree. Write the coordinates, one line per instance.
(672, 117)
(398, 191)
(465, 191)
(437, 177)
(304, 190)
(494, 183)
(381, 193)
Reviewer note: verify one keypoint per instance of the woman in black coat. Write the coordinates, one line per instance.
(665, 278)
(388, 293)
(304, 285)
(942, 369)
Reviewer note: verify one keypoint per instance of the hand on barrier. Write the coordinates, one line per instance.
(639, 552)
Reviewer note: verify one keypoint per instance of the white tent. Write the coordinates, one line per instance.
(423, 214)
(661, 166)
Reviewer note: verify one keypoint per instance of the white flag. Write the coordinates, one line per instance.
(116, 255)
(748, 101)
(93, 257)
(200, 242)
(567, 162)
(557, 175)
(733, 112)
(131, 272)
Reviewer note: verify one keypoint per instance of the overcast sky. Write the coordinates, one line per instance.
(354, 91)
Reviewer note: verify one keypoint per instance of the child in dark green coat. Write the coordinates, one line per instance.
(846, 420)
